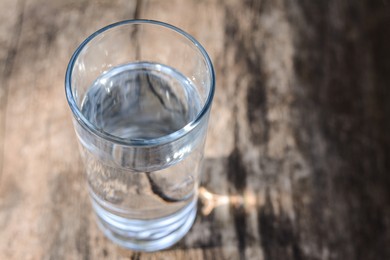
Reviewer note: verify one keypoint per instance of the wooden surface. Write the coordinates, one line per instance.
(299, 135)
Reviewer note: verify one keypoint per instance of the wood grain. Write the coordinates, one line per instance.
(298, 142)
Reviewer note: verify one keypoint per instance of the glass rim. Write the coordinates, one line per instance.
(86, 124)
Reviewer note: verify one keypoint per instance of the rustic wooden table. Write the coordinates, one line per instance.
(299, 139)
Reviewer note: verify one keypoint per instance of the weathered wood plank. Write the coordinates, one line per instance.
(44, 208)
(298, 141)
(9, 38)
(215, 231)
(341, 129)
(208, 29)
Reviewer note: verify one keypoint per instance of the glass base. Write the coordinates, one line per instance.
(146, 235)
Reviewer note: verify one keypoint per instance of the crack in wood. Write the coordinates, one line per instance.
(138, 9)
(158, 191)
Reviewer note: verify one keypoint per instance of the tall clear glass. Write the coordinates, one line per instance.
(140, 92)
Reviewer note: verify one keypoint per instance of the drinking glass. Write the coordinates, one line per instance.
(140, 92)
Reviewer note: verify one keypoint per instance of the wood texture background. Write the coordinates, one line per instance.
(299, 131)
